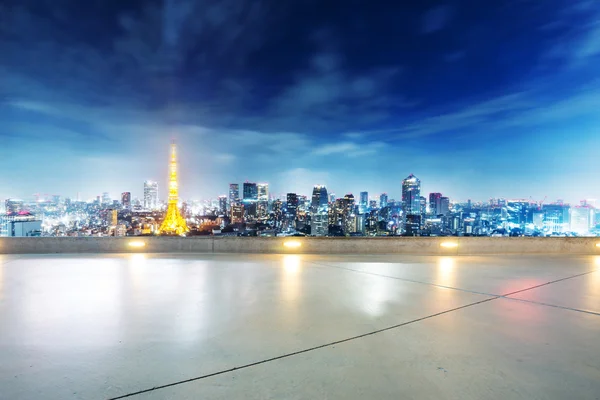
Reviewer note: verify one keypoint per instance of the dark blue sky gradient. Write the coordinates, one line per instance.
(478, 99)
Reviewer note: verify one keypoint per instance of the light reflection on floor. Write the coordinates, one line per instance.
(119, 324)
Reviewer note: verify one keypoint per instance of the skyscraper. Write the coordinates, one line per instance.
(106, 198)
(435, 203)
(234, 193)
(223, 204)
(444, 206)
(126, 200)
(319, 197)
(411, 195)
(383, 200)
(250, 192)
(364, 199)
(263, 191)
(150, 195)
(292, 205)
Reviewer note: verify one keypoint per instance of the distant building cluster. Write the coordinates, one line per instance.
(250, 209)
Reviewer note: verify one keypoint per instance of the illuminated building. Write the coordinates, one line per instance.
(250, 192)
(364, 201)
(126, 200)
(423, 202)
(556, 218)
(234, 193)
(263, 191)
(106, 198)
(173, 224)
(319, 197)
(292, 205)
(372, 204)
(411, 195)
(150, 195)
(444, 206)
(435, 205)
(237, 213)
(383, 200)
(581, 219)
(223, 204)
(332, 197)
(14, 206)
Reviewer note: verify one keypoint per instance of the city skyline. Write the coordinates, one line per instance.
(354, 97)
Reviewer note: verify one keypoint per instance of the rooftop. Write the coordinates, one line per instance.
(217, 326)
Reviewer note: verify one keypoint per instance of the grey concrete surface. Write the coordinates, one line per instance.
(229, 326)
(305, 245)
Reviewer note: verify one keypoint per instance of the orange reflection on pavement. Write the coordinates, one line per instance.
(445, 272)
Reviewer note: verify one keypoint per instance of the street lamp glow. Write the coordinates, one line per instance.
(598, 244)
(292, 244)
(449, 245)
(136, 244)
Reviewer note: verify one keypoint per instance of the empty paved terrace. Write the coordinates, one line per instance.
(212, 326)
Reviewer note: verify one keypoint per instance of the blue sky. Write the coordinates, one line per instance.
(478, 99)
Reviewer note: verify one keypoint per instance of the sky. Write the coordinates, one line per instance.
(479, 99)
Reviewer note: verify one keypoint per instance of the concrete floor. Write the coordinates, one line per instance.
(299, 327)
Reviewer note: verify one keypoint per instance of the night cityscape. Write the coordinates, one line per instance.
(299, 199)
(250, 209)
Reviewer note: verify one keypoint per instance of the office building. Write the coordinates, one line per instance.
(383, 200)
(435, 203)
(237, 213)
(556, 218)
(150, 195)
(319, 197)
(126, 200)
(364, 200)
(292, 205)
(444, 208)
(223, 204)
(250, 192)
(411, 195)
(581, 219)
(234, 193)
(14, 206)
(263, 191)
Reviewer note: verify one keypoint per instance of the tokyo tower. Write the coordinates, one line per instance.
(173, 224)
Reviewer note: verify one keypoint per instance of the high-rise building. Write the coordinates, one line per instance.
(444, 206)
(373, 204)
(364, 199)
(14, 206)
(250, 192)
(263, 191)
(150, 195)
(292, 205)
(319, 197)
(383, 200)
(581, 219)
(223, 204)
(237, 213)
(234, 193)
(423, 202)
(435, 203)
(106, 198)
(332, 197)
(556, 218)
(411, 195)
(126, 200)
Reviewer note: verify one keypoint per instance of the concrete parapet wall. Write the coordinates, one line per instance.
(355, 245)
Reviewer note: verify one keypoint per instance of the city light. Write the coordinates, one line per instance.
(136, 244)
(598, 244)
(292, 244)
(449, 245)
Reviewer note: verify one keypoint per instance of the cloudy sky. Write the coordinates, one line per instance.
(479, 99)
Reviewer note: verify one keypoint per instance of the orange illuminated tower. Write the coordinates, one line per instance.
(173, 224)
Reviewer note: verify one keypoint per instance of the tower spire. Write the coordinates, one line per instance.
(174, 223)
